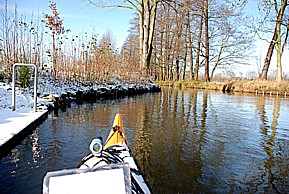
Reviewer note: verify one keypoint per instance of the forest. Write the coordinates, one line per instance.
(169, 40)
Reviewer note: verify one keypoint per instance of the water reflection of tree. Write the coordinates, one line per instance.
(53, 153)
(15, 156)
(143, 146)
(268, 143)
(178, 136)
(193, 141)
(35, 147)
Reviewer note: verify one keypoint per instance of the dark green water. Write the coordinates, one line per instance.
(185, 142)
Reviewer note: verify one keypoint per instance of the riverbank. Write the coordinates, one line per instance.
(52, 95)
(235, 85)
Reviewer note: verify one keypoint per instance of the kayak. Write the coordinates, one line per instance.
(109, 168)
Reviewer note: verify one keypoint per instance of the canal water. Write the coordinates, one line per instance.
(185, 141)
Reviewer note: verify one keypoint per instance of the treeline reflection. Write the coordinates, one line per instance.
(191, 141)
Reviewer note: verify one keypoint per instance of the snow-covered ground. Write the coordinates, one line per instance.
(13, 122)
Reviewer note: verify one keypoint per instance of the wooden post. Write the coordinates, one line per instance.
(55, 100)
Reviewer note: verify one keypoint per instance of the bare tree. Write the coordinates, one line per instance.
(231, 40)
(182, 34)
(130, 52)
(147, 15)
(20, 38)
(279, 7)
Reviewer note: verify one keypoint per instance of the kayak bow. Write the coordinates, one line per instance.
(116, 135)
(114, 157)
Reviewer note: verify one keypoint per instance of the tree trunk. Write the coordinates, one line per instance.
(207, 52)
(225, 39)
(279, 46)
(141, 39)
(189, 46)
(176, 71)
(54, 55)
(161, 56)
(196, 71)
(183, 72)
(149, 14)
(146, 28)
(279, 55)
(267, 60)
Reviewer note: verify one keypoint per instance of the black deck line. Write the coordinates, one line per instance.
(6, 148)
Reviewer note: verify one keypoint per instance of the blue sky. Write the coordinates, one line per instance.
(80, 16)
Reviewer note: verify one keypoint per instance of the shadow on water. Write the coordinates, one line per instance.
(185, 141)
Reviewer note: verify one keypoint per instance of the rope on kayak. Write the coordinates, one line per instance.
(116, 129)
(84, 159)
(102, 160)
(121, 134)
(112, 157)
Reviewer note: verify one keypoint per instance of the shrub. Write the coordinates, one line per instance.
(25, 77)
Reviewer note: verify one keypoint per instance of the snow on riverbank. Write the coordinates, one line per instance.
(12, 122)
(48, 88)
